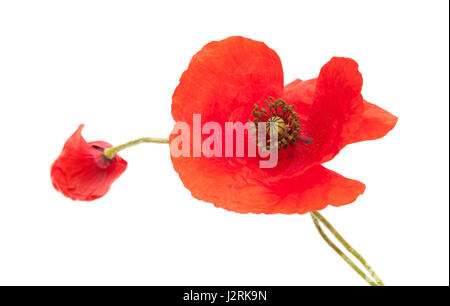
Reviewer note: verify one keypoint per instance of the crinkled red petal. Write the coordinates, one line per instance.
(366, 121)
(225, 79)
(239, 190)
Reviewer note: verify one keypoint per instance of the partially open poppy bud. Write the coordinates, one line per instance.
(81, 172)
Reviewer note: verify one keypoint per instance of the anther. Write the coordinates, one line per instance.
(287, 120)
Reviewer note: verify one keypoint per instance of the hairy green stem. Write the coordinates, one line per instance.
(111, 152)
(317, 218)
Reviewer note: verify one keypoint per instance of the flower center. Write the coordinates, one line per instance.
(288, 125)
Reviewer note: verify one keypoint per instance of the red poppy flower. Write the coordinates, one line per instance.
(81, 172)
(224, 81)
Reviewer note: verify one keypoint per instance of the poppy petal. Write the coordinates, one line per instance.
(373, 123)
(369, 123)
(240, 190)
(225, 79)
(337, 98)
(315, 189)
(301, 95)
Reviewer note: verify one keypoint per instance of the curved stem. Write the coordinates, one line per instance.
(111, 152)
(376, 281)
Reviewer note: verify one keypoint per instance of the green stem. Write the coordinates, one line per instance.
(317, 217)
(111, 152)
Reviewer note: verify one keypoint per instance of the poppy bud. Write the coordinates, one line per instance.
(81, 172)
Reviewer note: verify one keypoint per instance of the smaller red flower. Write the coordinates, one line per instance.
(81, 172)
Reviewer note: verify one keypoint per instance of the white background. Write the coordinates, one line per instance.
(114, 65)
